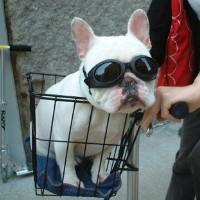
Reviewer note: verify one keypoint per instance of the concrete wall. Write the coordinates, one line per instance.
(45, 25)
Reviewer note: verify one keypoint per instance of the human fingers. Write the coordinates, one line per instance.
(167, 101)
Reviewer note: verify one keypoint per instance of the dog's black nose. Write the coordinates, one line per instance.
(129, 89)
(128, 85)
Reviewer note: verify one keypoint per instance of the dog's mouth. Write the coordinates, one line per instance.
(129, 107)
(130, 99)
(132, 103)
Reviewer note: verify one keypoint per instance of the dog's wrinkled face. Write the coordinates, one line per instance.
(131, 92)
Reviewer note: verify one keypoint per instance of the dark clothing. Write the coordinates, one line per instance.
(195, 26)
(159, 15)
(185, 181)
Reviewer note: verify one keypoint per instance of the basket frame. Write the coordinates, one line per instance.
(125, 147)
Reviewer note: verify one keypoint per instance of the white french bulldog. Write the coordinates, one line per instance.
(112, 87)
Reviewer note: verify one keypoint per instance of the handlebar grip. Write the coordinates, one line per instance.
(179, 110)
(20, 48)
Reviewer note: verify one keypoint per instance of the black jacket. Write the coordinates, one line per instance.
(160, 15)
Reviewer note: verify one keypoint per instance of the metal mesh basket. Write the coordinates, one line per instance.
(116, 162)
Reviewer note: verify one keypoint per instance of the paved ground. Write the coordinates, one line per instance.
(156, 158)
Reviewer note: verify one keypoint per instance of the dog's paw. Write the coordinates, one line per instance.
(72, 180)
(98, 174)
(99, 178)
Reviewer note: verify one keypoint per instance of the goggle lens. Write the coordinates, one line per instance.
(145, 68)
(108, 72)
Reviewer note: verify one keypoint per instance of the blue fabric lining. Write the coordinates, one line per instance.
(53, 180)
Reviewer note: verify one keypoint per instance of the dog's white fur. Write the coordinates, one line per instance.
(92, 49)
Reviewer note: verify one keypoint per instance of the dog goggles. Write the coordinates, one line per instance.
(109, 72)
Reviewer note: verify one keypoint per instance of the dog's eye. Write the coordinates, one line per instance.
(108, 72)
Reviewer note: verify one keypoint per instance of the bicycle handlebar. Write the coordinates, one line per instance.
(20, 48)
(16, 47)
(179, 110)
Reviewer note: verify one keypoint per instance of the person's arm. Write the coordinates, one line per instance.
(167, 96)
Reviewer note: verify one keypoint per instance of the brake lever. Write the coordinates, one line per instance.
(179, 110)
(149, 131)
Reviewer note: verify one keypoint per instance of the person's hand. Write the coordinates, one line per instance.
(166, 97)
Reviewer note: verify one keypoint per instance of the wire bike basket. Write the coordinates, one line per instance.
(47, 177)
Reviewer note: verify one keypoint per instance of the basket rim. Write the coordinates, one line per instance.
(47, 96)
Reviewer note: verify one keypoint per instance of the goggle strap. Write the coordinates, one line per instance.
(86, 80)
(84, 72)
(86, 76)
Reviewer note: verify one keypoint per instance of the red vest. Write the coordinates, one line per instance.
(178, 66)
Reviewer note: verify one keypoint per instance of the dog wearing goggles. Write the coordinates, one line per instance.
(117, 76)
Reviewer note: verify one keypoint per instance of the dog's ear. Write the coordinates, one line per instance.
(138, 25)
(83, 36)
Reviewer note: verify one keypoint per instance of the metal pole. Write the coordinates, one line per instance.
(133, 177)
(4, 147)
(13, 131)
